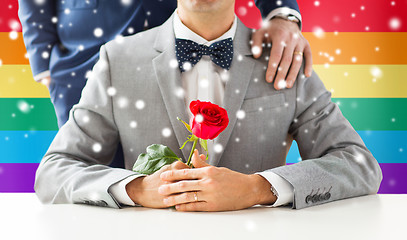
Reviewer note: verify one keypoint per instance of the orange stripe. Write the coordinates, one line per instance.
(362, 46)
(392, 48)
(12, 51)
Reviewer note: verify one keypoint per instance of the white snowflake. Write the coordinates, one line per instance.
(111, 91)
(45, 55)
(166, 132)
(240, 57)
(98, 32)
(394, 24)
(354, 59)
(279, 3)
(282, 84)
(81, 47)
(97, 147)
(86, 119)
(133, 124)
(173, 63)
(119, 39)
(180, 92)
(338, 51)
(204, 83)
(376, 72)
(242, 11)
(54, 19)
(316, 3)
(187, 66)
(14, 25)
(318, 32)
(126, 2)
(199, 118)
(256, 50)
(13, 35)
(39, 2)
(122, 102)
(218, 148)
(140, 104)
(23, 106)
(241, 114)
(237, 139)
(1, 62)
(130, 30)
(67, 11)
(250, 4)
(251, 226)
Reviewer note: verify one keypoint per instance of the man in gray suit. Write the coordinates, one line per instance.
(137, 99)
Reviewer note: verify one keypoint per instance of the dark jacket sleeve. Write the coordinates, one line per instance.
(39, 31)
(266, 6)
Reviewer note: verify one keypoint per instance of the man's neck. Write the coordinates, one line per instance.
(208, 26)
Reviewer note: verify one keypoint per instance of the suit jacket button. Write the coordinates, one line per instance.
(308, 199)
(102, 203)
(327, 196)
(315, 198)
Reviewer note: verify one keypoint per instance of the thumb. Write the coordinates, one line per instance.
(198, 161)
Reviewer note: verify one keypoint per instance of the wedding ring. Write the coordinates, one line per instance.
(299, 53)
(196, 196)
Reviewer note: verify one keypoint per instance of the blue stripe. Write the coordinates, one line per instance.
(24, 146)
(386, 146)
(30, 146)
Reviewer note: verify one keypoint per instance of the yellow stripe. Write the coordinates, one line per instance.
(364, 81)
(346, 81)
(16, 81)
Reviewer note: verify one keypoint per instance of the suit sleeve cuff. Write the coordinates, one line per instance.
(285, 11)
(42, 75)
(118, 190)
(280, 187)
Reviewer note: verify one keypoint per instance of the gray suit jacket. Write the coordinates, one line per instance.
(336, 163)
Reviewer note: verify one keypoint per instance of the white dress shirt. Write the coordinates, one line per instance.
(206, 81)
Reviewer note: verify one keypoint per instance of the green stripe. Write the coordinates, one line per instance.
(374, 114)
(27, 114)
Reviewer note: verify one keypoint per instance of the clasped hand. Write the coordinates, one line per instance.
(203, 188)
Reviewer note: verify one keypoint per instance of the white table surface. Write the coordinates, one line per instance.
(371, 217)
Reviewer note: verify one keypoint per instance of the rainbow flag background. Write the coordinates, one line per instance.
(359, 50)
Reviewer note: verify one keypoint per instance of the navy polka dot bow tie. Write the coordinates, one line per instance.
(188, 51)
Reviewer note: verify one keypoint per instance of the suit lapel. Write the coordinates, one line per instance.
(169, 81)
(235, 90)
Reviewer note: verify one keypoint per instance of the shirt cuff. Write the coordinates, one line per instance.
(285, 11)
(283, 190)
(42, 75)
(118, 190)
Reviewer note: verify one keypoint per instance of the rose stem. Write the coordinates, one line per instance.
(192, 151)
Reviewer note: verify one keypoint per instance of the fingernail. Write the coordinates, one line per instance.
(177, 207)
(166, 201)
(270, 79)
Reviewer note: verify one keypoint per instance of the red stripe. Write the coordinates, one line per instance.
(330, 15)
(9, 16)
(336, 15)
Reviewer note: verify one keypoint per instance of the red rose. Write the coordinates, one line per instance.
(209, 119)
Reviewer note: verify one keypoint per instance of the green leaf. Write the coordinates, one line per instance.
(204, 145)
(156, 157)
(186, 125)
(190, 138)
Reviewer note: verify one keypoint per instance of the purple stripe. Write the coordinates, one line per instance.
(394, 178)
(19, 177)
